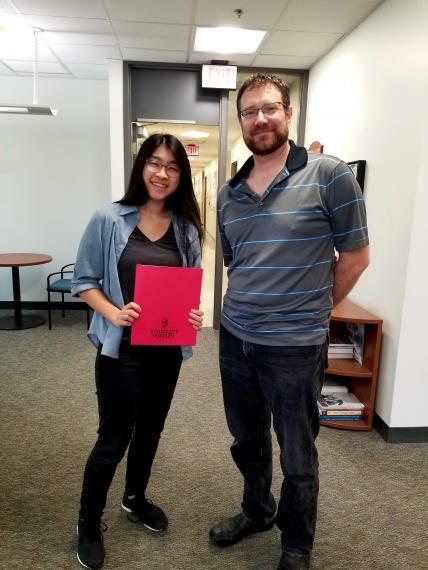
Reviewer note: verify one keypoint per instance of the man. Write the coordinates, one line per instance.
(281, 217)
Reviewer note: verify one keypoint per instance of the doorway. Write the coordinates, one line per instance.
(169, 98)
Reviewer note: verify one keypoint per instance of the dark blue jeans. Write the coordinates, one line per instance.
(261, 382)
(134, 395)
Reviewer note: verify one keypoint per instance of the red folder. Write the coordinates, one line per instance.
(166, 295)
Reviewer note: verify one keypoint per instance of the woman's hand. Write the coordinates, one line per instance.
(126, 316)
(196, 318)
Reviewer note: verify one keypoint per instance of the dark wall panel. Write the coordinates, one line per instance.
(174, 94)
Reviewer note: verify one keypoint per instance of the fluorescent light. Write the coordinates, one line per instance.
(4, 109)
(227, 40)
(27, 110)
(195, 134)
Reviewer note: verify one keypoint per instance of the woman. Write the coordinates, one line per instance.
(156, 223)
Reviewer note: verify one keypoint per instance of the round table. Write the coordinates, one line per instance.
(15, 261)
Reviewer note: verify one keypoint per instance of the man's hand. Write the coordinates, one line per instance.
(347, 270)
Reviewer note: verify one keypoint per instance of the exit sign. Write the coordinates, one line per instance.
(219, 76)
(192, 149)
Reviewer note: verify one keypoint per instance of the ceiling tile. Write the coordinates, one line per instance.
(88, 71)
(232, 58)
(25, 51)
(12, 23)
(79, 39)
(299, 43)
(6, 7)
(77, 25)
(5, 70)
(43, 67)
(152, 36)
(284, 61)
(133, 54)
(166, 11)
(256, 14)
(85, 54)
(326, 16)
(70, 9)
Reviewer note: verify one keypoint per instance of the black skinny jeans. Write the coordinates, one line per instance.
(134, 395)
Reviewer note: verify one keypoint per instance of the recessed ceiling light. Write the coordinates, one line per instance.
(228, 40)
(195, 134)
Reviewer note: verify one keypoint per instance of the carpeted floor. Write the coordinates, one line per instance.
(373, 507)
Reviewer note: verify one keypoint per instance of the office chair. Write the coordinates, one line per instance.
(61, 285)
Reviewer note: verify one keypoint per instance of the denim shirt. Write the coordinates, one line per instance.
(99, 251)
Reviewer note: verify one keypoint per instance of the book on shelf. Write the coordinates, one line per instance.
(339, 418)
(342, 412)
(333, 355)
(330, 386)
(339, 401)
(341, 349)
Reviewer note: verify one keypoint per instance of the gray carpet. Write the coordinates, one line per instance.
(373, 507)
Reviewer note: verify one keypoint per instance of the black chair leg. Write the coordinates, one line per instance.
(62, 297)
(49, 311)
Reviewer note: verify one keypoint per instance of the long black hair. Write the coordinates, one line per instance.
(183, 201)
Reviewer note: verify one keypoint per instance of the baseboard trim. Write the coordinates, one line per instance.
(44, 305)
(400, 434)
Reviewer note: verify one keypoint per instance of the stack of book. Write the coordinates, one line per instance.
(340, 348)
(339, 404)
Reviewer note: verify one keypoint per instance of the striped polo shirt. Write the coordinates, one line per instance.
(279, 248)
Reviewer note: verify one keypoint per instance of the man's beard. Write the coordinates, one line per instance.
(264, 148)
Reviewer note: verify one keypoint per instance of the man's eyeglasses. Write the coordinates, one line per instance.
(268, 110)
(155, 166)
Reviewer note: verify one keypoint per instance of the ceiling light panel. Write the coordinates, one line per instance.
(227, 40)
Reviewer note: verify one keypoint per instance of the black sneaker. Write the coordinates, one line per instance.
(90, 546)
(149, 514)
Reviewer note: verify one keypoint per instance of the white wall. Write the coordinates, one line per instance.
(54, 172)
(117, 142)
(368, 100)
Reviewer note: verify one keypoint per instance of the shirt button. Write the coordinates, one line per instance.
(260, 203)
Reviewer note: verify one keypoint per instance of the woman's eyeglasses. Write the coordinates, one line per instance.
(155, 166)
(268, 110)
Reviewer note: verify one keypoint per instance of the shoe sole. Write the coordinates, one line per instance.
(137, 519)
(127, 509)
(89, 567)
(224, 542)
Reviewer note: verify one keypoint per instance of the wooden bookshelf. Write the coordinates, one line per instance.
(361, 378)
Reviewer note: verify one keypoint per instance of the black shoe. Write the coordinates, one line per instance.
(231, 531)
(294, 561)
(90, 546)
(149, 514)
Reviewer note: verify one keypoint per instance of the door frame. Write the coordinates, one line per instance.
(222, 145)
